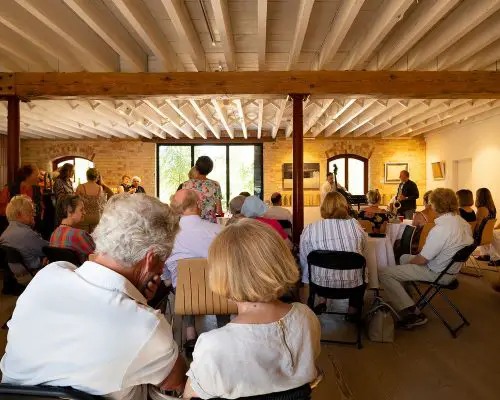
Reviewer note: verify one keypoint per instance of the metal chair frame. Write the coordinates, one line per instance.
(435, 288)
(62, 254)
(16, 392)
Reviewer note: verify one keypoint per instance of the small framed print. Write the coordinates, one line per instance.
(392, 171)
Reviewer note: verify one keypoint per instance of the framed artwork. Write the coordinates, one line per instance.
(311, 176)
(438, 170)
(392, 171)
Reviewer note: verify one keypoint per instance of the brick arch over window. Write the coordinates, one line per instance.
(364, 150)
(71, 150)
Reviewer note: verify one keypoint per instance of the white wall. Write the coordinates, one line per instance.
(479, 142)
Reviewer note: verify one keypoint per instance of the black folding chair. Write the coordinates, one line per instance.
(61, 254)
(18, 392)
(14, 257)
(301, 393)
(435, 287)
(406, 240)
(336, 260)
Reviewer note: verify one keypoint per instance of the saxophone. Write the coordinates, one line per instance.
(396, 205)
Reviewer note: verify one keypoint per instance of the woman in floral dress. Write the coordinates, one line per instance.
(373, 212)
(211, 195)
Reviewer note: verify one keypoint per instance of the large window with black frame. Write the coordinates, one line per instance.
(237, 168)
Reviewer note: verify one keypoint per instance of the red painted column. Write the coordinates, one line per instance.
(298, 166)
(13, 138)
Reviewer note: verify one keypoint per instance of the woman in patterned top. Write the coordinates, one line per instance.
(211, 195)
(373, 212)
(66, 236)
(63, 185)
(337, 231)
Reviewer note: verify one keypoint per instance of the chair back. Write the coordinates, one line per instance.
(473, 226)
(486, 236)
(407, 239)
(60, 254)
(16, 392)
(423, 235)
(366, 225)
(285, 224)
(193, 296)
(14, 260)
(463, 254)
(301, 393)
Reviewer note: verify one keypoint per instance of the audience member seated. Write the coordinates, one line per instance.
(465, 202)
(276, 211)
(427, 215)
(210, 191)
(20, 234)
(450, 234)
(192, 241)
(136, 186)
(337, 231)
(67, 236)
(270, 346)
(253, 207)
(486, 210)
(94, 199)
(91, 328)
(125, 185)
(373, 212)
(235, 206)
(245, 194)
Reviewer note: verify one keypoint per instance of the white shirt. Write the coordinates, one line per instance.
(450, 234)
(193, 240)
(88, 328)
(333, 235)
(241, 360)
(278, 213)
(326, 188)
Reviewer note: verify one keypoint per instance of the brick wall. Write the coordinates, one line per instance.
(378, 151)
(113, 158)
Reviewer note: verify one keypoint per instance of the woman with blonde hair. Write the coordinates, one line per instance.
(373, 212)
(337, 231)
(270, 346)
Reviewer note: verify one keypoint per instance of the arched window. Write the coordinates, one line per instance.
(81, 166)
(352, 172)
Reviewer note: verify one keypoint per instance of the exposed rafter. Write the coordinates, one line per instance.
(223, 24)
(178, 109)
(364, 118)
(303, 16)
(215, 130)
(331, 118)
(221, 113)
(241, 115)
(261, 33)
(260, 117)
(279, 117)
(356, 109)
(317, 115)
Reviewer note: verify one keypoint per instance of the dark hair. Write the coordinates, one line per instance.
(484, 199)
(66, 171)
(426, 197)
(92, 174)
(276, 198)
(245, 194)
(329, 174)
(406, 173)
(70, 202)
(204, 165)
(23, 173)
(465, 198)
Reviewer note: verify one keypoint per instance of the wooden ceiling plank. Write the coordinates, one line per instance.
(221, 112)
(223, 23)
(456, 25)
(303, 17)
(340, 27)
(215, 131)
(332, 118)
(279, 117)
(108, 27)
(187, 119)
(389, 14)
(410, 31)
(261, 33)
(75, 31)
(148, 30)
(365, 117)
(482, 59)
(166, 112)
(186, 33)
(10, 62)
(317, 115)
(260, 118)
(241, 115)
(356, 111)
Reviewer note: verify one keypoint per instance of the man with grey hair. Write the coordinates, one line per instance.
(194, 239)
(92, 326)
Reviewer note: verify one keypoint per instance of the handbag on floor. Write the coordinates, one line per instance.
(380, 322)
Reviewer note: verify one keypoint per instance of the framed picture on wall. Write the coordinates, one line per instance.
(392, 171)
(311, 176)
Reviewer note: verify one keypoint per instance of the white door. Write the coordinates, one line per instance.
(463, 174)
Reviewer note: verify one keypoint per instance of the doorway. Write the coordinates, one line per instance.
(462, 174)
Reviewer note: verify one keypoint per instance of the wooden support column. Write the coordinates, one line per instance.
(13, 138)
(298, 166)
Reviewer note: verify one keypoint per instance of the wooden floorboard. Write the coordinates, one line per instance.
(426, 363)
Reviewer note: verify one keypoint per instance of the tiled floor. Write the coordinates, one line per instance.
(422, 364)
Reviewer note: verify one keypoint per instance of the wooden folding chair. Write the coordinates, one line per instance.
(423, 235)
(484, 238)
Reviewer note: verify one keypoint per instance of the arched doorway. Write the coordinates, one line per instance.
(352, 172)
(81, 166)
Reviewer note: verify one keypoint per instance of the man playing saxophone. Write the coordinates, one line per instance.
(407, 195)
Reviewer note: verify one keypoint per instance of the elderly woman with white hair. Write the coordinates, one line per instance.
(20, 234)
(136, 185)
(102, 337)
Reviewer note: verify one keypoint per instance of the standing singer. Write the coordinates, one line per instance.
(407, 195)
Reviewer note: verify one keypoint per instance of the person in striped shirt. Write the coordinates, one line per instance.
(71, 211)
(337, 231)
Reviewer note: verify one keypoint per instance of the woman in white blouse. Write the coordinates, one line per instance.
(337, 231)
(270, 346)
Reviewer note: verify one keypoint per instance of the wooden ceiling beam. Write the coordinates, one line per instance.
(215, 130)
(303, 17)
(388, 15)
(187, 119)
(141, 20)
(380, 119)
(340, 27)
(483, 59)
(330, 119)
(186, 33)
(222, 114)
(109, 28)
(366, 116)
(279, 117)
(166, 112)
(241, 115)
(223, 23)
(381, 84)
(427, 14)
(260, 117)
(75, 31)
(356, 109)
(317, 115)
(261, 33)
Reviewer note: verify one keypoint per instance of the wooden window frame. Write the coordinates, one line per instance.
(346, 156)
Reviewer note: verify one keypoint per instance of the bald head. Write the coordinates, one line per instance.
(185, 202)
